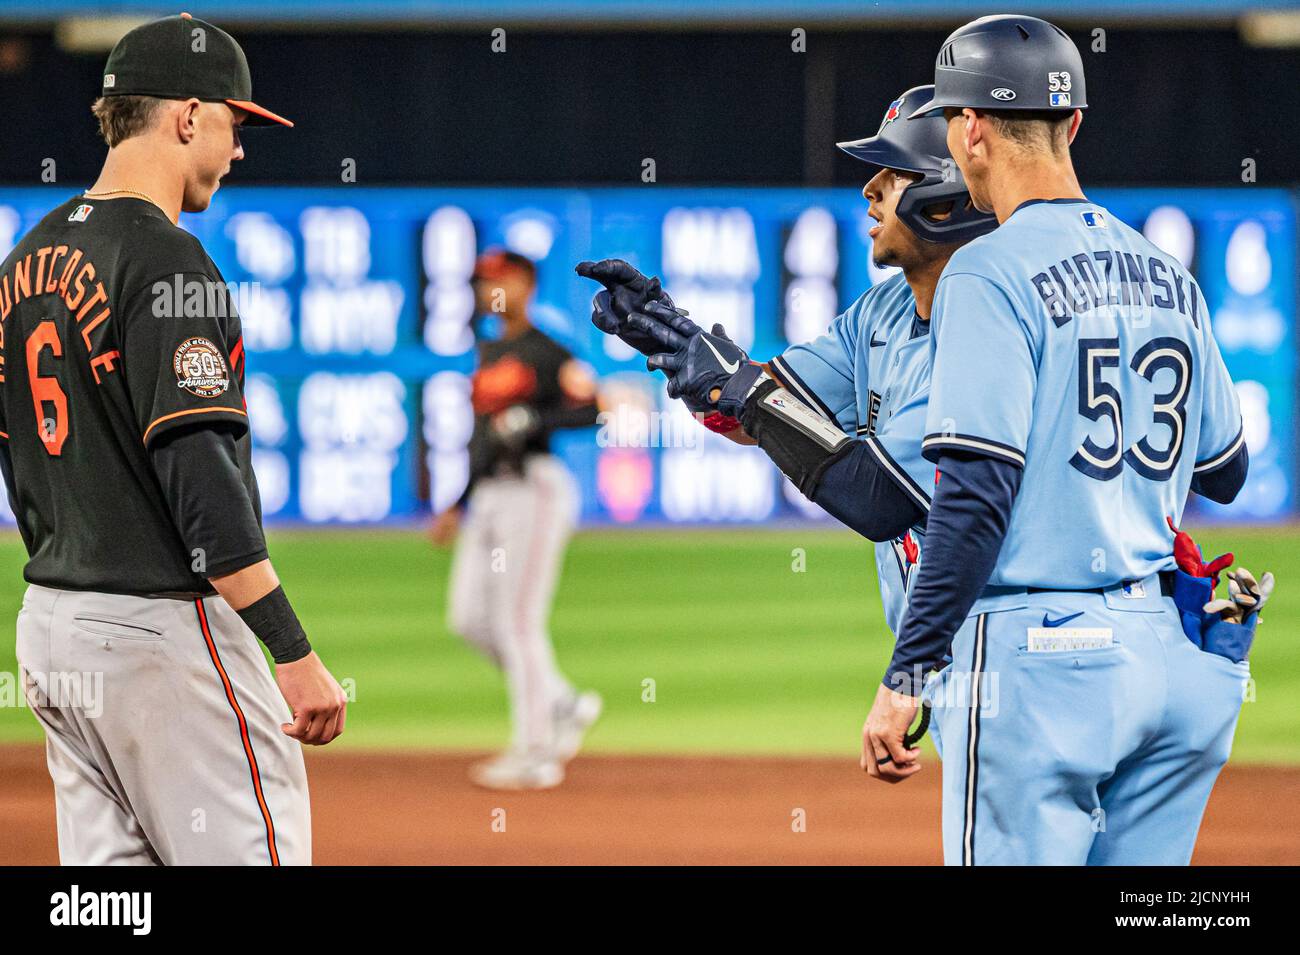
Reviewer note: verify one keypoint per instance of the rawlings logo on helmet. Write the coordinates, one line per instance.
(1003, 94)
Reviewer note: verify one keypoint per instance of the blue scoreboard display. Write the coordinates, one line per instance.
(359, 327)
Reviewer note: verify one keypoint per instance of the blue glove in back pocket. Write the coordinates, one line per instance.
(1190, 595)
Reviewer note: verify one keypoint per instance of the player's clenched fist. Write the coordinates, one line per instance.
(318, 703)
(885, 755)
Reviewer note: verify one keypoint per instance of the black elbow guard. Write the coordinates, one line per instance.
(799, 441)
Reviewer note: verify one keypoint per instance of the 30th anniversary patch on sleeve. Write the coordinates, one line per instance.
(201, 368)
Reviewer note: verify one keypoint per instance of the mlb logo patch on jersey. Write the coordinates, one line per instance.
(1059, 99)
(1133, 590)
(81, 213)
(1093, 220)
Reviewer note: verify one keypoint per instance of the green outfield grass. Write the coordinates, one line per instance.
(784, 662)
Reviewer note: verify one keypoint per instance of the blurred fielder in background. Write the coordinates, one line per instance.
(519, 507)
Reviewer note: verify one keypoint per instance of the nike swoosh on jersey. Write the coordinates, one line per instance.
(1049, 622)
(729, 367)
(876, 344)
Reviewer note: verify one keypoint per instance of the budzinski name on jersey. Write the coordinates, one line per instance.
(1084, 356)
(1088, 280)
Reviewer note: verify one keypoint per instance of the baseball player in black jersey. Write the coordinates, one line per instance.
(126, 455)
(520, 507)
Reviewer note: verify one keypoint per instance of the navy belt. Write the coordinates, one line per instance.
(1166, 588)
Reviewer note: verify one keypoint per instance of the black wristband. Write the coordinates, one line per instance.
(272, 619)
(749, 414)
(741, 385)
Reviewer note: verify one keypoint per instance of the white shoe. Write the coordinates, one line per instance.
(514, 770)
(572, 726)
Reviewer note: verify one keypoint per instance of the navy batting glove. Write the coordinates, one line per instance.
(697, 363)
(626, 292)
(736, 392)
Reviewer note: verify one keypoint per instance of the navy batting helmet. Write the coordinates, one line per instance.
(922, 147)
(1008, 62)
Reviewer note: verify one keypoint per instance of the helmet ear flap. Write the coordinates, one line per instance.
(963, 224)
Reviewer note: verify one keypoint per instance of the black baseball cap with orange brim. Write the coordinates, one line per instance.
(181, 57)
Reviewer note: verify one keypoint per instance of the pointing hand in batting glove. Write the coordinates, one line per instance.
(708, 371)
(626, 291)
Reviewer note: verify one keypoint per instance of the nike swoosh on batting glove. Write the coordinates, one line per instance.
(697, 363)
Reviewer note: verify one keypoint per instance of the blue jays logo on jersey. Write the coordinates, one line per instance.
(1093, 219)
(908, 553)
(891, 114)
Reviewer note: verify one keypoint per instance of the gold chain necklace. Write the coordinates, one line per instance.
(122, 192)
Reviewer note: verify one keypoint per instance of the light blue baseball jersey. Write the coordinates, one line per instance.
(870, 374)
(1068, 344)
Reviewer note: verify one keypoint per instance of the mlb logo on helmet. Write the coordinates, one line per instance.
(81, 213)
(895, 110)
(1060, 99)
(1093, 220)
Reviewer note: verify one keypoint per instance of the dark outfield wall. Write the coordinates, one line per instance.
(1167, 106)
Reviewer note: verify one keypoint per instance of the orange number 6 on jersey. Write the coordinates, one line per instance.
(46, 389)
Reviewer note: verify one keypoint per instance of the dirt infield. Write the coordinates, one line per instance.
(401, 809)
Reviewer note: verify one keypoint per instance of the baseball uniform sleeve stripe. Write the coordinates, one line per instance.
(1223, 457)
(189, 411)
(785, 374)
(253, 771)
(934, 443)
(972, 743)
(899, 475)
